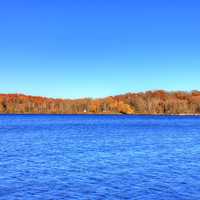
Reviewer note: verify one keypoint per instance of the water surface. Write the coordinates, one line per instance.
(88, 157)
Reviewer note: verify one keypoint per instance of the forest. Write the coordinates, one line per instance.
(149, 102)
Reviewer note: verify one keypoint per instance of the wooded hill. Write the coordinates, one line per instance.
(150, 102)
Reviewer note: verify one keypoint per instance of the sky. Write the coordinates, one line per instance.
(97, 48)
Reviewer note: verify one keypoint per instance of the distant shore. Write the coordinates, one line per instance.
(157, 102)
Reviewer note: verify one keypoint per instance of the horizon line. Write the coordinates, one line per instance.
(100, 97)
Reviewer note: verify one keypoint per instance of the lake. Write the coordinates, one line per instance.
(94, 157)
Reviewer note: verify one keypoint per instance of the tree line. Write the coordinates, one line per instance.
(150, 102)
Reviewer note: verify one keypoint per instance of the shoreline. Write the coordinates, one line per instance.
(140, 114)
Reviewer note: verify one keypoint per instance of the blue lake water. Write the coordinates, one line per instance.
(88, 157)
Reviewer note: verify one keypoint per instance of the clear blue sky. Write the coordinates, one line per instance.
(78, 48)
